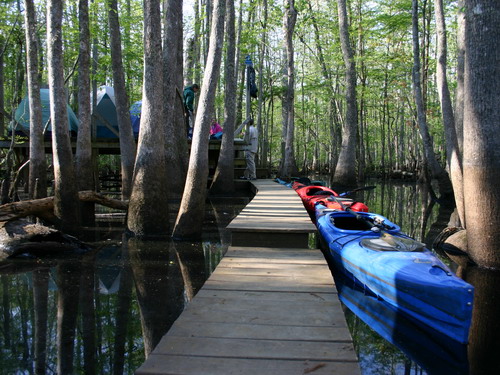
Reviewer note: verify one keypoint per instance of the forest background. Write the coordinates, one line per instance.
(362, 76)
(380, 34)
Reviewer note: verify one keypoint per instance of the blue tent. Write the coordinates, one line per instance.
(22, 114)
(135, 116)
(104, 117)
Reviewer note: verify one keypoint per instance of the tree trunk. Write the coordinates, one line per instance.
(66, 206)
(176, 143)
(2, 95)
(127, 142)
(289, 163)
(239, 100)
(191, 212)
(459, 93)
(84, 167)
(37, 166)
(262, 157)
(435, 169)
(481, 160)
(150, 176)
(223, 181)
(345, 171)
(453, 156)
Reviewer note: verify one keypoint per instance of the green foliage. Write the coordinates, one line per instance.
(380, 34)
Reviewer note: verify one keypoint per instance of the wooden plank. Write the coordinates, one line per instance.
(312, 275)
(264, 253)
(299, 297)
(164, 364)
(283, 284)
(275, 208)
(285, 313)
(274, 255)
(190, 328)
(263, 349)
(256, 237)
(249, 259)
(271, 269)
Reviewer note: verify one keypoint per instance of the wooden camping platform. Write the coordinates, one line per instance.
(263, 310)
(274, 218)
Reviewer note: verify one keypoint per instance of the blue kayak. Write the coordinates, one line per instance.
(374, 252)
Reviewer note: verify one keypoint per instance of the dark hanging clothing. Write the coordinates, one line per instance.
(252, 87)
(188, 98)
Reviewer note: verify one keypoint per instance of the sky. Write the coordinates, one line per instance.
(188, 8)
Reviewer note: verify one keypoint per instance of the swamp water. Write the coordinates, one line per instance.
(130, 292)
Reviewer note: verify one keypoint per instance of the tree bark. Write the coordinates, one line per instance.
(345, 171)
(37, 166)
(127, 142)
(190, 218)
(435, 169)
(223, 181)
(262, 156)
(289, 163)
(83, 157)
(459, 93)
(148, 207)
(66, 206)
(176, 143)
(481, 160)
(2, 95)
(453, 156)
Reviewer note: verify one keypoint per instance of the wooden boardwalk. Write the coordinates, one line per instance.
(274, 218)
(263, 311)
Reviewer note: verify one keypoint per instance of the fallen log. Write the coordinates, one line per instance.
(20, 236)
(44, 207)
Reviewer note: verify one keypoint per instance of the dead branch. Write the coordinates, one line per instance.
(44, 207)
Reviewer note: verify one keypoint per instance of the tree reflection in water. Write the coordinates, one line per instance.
(409, 205)
(104, 311)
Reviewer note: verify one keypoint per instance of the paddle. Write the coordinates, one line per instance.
(400, 243)
(358, 189)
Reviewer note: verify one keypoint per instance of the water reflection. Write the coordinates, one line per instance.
(104, 311)
(484, 336)
(393, 352)
(165, 278)
(430, 350)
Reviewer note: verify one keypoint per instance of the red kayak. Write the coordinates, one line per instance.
(314, 194)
